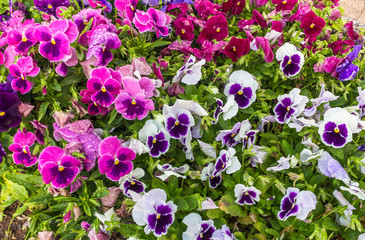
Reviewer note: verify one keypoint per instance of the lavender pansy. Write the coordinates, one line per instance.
(223, 234)
(169, 170)
(283, 164)
(156, 137)
(57, 167)
(197, 229)
(228, 137)
(190, 73)
(178, 121)
(290, 59)
(9, 114)
(25, 66)
(246, 195)
(130, 183)
(324, 97)
(153, 212)
(332, 168)
(297, 203)
(115, 161)
(20, 147)
(345, 219)
(289, 106)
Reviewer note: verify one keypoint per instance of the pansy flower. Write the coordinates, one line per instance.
(337, 127)
(242, 88)
(289, 106)
(153, 212)
(169, 170)
(197, 228)
(236, 48)
(215, 28)
(22, 142)
(132, 101)
(100, 42)
(284, 4)
(21, 39)
(247, 135)
(324, 97)
(207, 173)
(126, 8)
(93, 107)
(152, 19)
(130, 183)
(2, 153)
(25, 66)
(312, 24)
(155, 136)
(234, 6)
(227, 161)
(115, 161)
(104, 85)
(290, 59)
(361, 100)
(57, 167)
(223, 234)
(331, 167)
(50, 6)
(107, 6)
(190, 73)
(184, 28)
(178, 120)
(354, 189)
(9, 114)
(346, 70)
(229, 137)
(297, 203)
(246, 195)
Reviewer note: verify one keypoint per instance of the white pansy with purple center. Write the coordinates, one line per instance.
(153, 212)
(337, 127)
(228, 137)
(246, 195)
(331, 167)
(290, 59)
(190, 73)
(207, 173)
(289, 106)
(130, 182)
(155, 136)
(242, 85)
(247, 135)
(169, 170)
(223, 234)
(324, 97)
(297, 203)
(227, 161)
(197, 228)
(178, 121)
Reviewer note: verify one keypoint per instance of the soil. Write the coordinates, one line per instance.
(15, 231)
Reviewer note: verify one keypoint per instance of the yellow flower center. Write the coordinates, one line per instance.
(312, 25)
(158, 216)
(24, 39)
(95, 104)
(211, 177)
(133, 102)
(177, 123)
(289, 62)
(183, 31)
(85, 22)
(61, 168)
(246, 193)
(25, 151)
(218, 30)
(201, 235)
(238, 3)
(2, 114)
(223, 165)
(132, 8)
(337, 130)
(287, 109)
(232, 135)
(246, 137)
(292, 206)
(53, 42)
(23, 78)
(284, 2)
(154, 141)
(234, 48)
(116, 162)
(103, 89)
(132, 183)
(49, 6)
(240, 92)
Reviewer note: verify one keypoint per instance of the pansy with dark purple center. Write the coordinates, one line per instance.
(177, 121)
(93, 107)
(126, 8)
(57, 167)
(246, 135)
(289, 106)
(104, 85)
(207, 173)
(228, 137)
(50, 6)
(25, 66)
(346, 70)
(130, 182)
(9, 114)
(21, 40)
(155, 136)
(246, 195)
(227, 161)
(288, 205)
(197, 228)
(153, 212)
(22, 141)
(290, 59)
(115, 161)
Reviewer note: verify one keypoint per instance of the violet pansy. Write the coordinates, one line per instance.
(289, 106)
(178, 121)
(21, 39)
(156, 137)
(130, 183)
(20, 147)
(246, 195)
(291, 60)
(25, 66)
(228, 137)
(197, 228)
(190, 73)
(153, 212)
(331, 167)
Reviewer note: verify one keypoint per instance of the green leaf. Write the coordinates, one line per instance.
(181, 204)
(42, 110)
(329, 224)
(18, 191)
(287, 148)
(215, 213)
(56, 87)
(19, 211)
(71, 79)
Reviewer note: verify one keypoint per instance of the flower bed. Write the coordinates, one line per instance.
(182, 119)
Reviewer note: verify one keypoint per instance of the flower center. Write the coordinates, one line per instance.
(133, 102)
(85, 22)
(24, 39)
(23, 78)
(238, 3)
(158, 216)
(103, 89)
(246, 137)
(240, 92)
(49, 6)
(24, 151)
(312, 25)
(289, 62)
(201, 235)
(116, 162)
(2, 114)
(177, 123)
(53, 42)
(292, 206)
(246, 193)
(336, 130)
(95, 104)
(233, 135)
(284, 2)
(211, 177)
(61, 168)
(287, 109)
(132, 183)
(183, 31)
(154, 141)
(218, 30)
(132, 8)
(223, 165)
(234, 48)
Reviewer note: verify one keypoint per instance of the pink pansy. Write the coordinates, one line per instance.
(68, 61)
(21, 39)
(126, 8)
(312, 24)
(152, 19)
(22, 141)
(284, 4)
(350, 31)
(303, 8)
(20, 70)
(264, 44)
(206, 8)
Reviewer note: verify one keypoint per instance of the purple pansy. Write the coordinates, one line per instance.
(104, 84)
(50, 6)
(39, 132)
(324, 97)
(155, 136)
(297, 203)
(57, 167)
(130, 182)
(337, 127)
(229, 137)
(22, 142)
(346, 70)
(198, 229)
(207, 173)
(25, 66)
(100, 43)
(226, 161)
(178, 121)
(9, 114)
(290, 59)
(152, 19)
(55, 39)
(126, 8)
(289, 106)
(246, 195)
(218, 111)
(331, 167)
(115, 161)
(22, 39)
(153, 212)
(132, 101)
